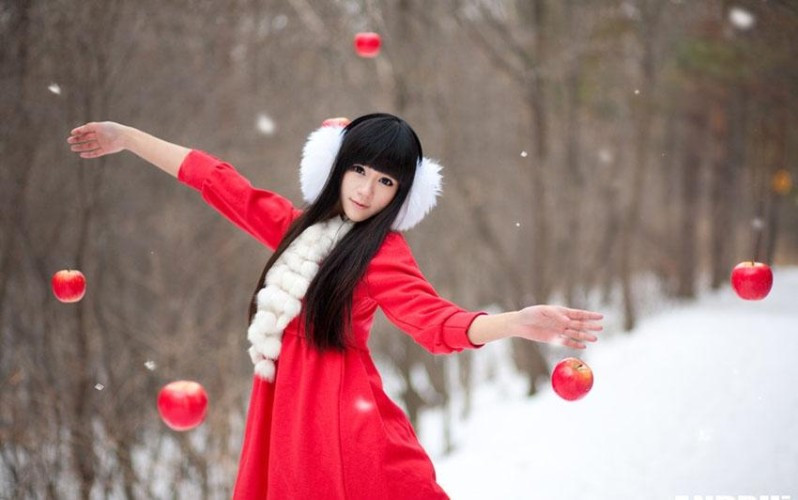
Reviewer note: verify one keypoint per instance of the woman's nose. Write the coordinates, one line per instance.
(366, 188)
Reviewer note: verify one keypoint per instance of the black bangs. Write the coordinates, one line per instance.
(383, 142)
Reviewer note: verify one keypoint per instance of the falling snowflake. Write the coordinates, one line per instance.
(54, 88)
(265, 125)
(605, 155)
(631, 11)
(524, 154)
(279, 22)
(150, 364)
(517, 224)
(99, 387)
(361, 404)
(757, 223)
(741, 18)
(637, 91)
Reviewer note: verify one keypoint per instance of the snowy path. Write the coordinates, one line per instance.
(699, 400)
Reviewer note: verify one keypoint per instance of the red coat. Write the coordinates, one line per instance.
(325, 428)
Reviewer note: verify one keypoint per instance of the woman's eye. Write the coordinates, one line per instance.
(386, 181)
(358, 168)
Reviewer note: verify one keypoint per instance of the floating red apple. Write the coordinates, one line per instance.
(752, 280)
(68, 285)
(182, 404)
(572, 379)
(339, 121)
(367, 44)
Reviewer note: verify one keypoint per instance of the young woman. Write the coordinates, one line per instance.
(319, 423)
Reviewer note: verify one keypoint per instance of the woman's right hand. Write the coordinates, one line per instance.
(96, 139)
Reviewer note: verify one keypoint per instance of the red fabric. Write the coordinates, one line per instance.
(325, 428)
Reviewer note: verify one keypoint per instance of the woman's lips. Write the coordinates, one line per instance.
(359, 205)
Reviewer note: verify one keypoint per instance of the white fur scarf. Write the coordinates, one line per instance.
(280, 300)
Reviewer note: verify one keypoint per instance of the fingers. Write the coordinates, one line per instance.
(88, 127)
(566, 341)
(90, 149)
(85, 146)
(585, 325)
(580, 335)
(82, 137)
(579, 314)
(576, 333)
(84, 141)
(581, 323)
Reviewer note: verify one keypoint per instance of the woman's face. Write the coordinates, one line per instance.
(365, 192)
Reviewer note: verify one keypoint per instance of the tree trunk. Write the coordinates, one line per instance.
(527, 354)
(573, 185)
(779, 123)
(15, 62)
(643, 112)
(723, 191)
(536, 103)
(691, 168)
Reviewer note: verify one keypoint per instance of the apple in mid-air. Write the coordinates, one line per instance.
(339, 121)
(367, 44)
(572, 379)
(68, 285)
(752, 280)
(182, 404)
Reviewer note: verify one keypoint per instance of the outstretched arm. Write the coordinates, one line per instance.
(261, 213)
(543, 323)
(96, 139)
(411, 303)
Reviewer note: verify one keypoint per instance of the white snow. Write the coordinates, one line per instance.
(265, 124)
(605, 155)
(741, 18)
(699, 400)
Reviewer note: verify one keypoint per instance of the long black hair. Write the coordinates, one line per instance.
(385, 143)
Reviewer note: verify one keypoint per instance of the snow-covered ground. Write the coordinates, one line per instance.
(699, 400)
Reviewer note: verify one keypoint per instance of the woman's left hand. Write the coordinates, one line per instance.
(557, 325)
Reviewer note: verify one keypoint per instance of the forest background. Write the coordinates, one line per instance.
(603, 154)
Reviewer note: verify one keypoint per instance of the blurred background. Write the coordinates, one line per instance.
(611, 154)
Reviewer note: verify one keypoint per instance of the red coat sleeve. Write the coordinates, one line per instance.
(263, 214)
(395, 282)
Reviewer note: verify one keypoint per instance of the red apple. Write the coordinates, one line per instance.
(182, 404)
(367, 44)
(572, 379)
(336, 122)
(68, 285)
(752, 280)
